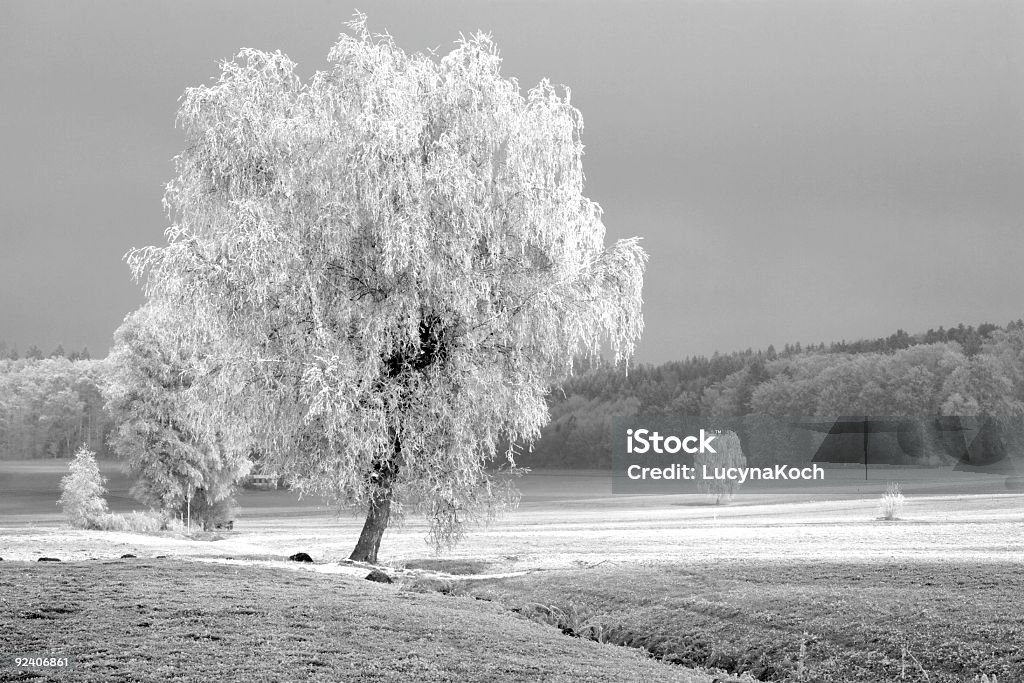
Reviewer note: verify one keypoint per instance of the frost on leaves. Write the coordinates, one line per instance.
(396, 259)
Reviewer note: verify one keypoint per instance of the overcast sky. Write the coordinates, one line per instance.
(799, 170)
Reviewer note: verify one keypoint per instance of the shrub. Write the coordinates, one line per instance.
(892, 501)
(140, 522)
(82, 490)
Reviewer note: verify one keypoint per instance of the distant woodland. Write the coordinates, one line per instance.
(957, 371)
(52, 404)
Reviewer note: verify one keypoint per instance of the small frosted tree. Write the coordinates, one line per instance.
(891, 504)
(395, 260)
(175, 467)
(82, 490)
(728, 453)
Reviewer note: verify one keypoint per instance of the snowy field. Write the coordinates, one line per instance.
(571, 519)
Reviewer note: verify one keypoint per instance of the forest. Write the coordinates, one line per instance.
(51, 405)
(963, 371)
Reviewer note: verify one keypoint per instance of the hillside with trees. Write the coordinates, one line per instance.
(49, 406)
(963, 370)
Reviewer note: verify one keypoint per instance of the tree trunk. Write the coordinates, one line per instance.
(377, 518)
(373, 528)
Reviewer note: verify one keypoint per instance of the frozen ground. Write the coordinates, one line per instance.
(575, 529)
(754, 574)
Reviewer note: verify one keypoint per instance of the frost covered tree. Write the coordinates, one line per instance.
(396, 260)
(728, 453)
(176, 467)
(82, 490)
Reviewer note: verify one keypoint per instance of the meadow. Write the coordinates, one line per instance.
(797, 585)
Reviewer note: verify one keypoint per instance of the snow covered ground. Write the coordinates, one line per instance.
(549, 533)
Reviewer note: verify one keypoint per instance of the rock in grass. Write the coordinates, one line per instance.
(127, 556)
(378, 576)
(47, 559)
(300, 557)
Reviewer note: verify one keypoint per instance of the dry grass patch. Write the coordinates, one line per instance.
(941, 623)
(170, 620)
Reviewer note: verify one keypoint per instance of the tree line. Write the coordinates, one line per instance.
(10, 352)
(963, 370)
(49, 407)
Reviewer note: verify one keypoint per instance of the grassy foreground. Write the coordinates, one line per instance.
(173, 620)
(821, 622)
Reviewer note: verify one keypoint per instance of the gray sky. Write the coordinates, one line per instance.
(799, 170)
